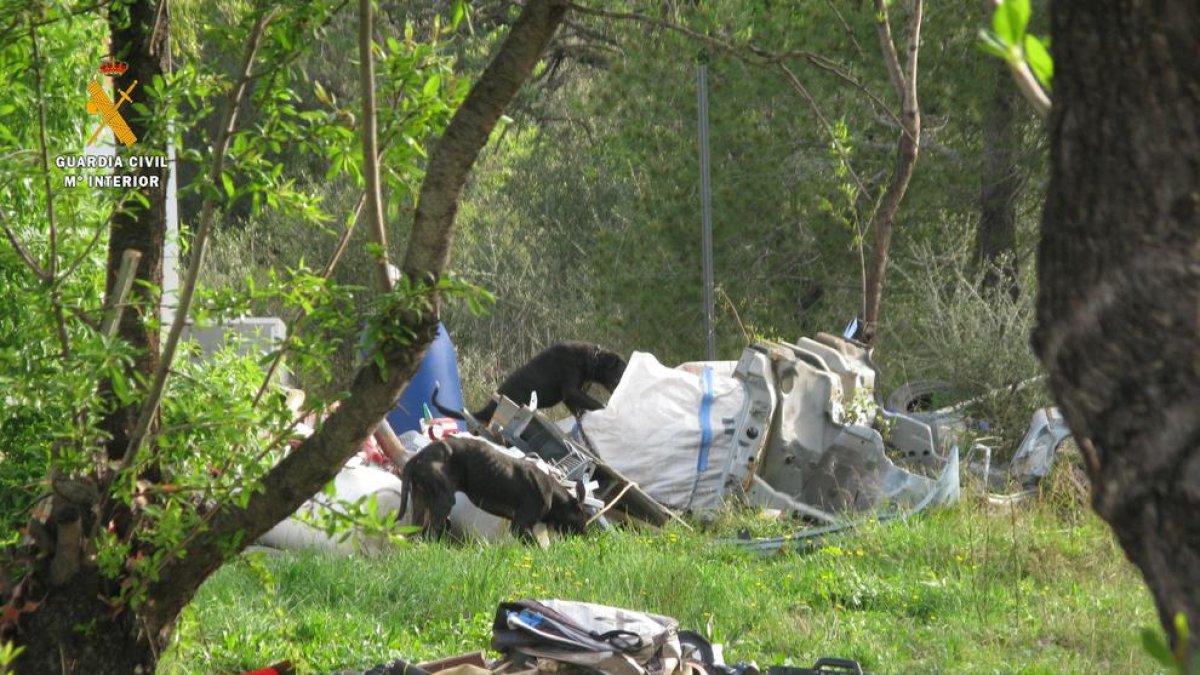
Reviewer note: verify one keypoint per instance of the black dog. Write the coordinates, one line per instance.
(500, 484)
(558, 374)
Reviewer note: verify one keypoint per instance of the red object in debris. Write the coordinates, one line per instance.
(371, 454)
(438, 428)
(281, 668)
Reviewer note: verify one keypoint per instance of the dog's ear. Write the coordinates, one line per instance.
(614, 369)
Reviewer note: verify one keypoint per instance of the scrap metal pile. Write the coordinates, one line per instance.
(788, 426)
(792, 427)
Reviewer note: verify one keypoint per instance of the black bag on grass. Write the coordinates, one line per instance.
(588, 637)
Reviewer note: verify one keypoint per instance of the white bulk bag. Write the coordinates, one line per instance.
(653, 430)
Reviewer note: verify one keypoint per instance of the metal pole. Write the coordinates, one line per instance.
(170, 267)
(706, 212)
(170, 280)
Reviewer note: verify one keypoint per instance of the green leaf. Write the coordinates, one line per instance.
(120, 385)
(1040, 61)
(457, 12)
(431, 85)
(1010, 20)
(1156, 647)
(1181, 627)
(227, 181)
(322, 95)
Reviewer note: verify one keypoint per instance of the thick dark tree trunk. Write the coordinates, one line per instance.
(1119, 276)
(74, 631)
(1000, 187)
(139, 37)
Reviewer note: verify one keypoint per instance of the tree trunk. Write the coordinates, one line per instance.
(904, 82)
(1119, 276)
(1000, 187)
(882, 227)
(136, 41)
(74, 631)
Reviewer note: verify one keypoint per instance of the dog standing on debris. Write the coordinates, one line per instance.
(498, 483)
(557, 374)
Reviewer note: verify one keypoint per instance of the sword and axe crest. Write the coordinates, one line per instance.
(99, 103)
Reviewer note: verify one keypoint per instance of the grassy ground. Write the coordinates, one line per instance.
(969, 589)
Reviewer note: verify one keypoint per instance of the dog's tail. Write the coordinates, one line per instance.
(405, 491)
(448, 412)
(476, 422)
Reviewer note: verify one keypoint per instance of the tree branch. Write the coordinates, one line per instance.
(116, 306)
(44, 154)
(907, 150)
(13, 25)
(87, 250)
(378, 228)
(236, 95)
(812, 103)
(29, 260)
(749, 53)
(326, 274)
(330, 266)
(291, 58)
(891, 59)
(1030, 88)
(846, 28)
(52, 264)
(586, 32)
(1027, 82)
(370, 169)
(914, 51)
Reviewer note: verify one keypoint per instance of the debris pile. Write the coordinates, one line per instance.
(797, 428)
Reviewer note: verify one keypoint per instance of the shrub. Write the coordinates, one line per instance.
(943, 325)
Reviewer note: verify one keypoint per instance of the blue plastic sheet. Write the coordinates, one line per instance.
(439, 367)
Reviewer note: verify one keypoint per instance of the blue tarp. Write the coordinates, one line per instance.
(439, 366)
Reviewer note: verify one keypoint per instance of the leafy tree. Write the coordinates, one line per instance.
(133, 517)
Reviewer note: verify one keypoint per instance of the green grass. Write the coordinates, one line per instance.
(970, 589)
